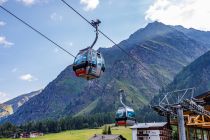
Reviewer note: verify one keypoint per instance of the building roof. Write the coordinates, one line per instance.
(106, 137)
(205, 96)
(149, 125)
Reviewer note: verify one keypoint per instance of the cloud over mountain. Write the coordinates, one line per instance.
(189, 13)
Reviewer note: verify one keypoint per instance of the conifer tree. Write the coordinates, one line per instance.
(109, 132)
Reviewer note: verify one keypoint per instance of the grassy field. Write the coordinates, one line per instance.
(82, 134)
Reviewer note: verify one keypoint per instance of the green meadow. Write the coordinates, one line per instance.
(84, 134)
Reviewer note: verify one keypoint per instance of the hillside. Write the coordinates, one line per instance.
(5, 110)
(12, 105)
(162, 51)
(20, 100)
(196, 74)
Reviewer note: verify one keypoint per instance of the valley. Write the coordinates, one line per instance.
(81, 134)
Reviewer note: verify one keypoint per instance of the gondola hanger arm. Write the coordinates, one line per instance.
(121, 99)
(95, 24)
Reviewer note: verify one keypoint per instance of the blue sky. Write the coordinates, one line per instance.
(28, 62)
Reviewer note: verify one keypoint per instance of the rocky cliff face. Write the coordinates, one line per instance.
(11, 106)
(162, 51)
(20, 100)
(5, 110)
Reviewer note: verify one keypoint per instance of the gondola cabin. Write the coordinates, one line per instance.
(89, 64)
(125, 116)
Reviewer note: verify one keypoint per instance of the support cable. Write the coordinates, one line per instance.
(137, 61)
(37, 31)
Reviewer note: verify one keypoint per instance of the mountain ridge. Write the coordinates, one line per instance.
(20, 100)
(11, 106)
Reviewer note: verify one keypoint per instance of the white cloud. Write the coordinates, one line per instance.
(56, 17)
(2, 1)
(2, 23)
(31, 2)
(5, 43)
(28, 77)
(3, 97)
(90, 4)
(188, 13)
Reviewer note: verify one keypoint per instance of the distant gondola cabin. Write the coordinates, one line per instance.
(125, 116)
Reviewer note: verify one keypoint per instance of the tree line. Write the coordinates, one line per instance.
(8, 130)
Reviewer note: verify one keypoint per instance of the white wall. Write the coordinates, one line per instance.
(134, 134)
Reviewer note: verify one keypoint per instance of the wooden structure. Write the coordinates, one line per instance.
(199, 121)
(151, 131)
(197, 126)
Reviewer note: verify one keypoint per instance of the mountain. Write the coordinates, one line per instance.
(5, 110)
(20, 100)
(196, 75)
(12, 105)
(161, 51)
(202, 36)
